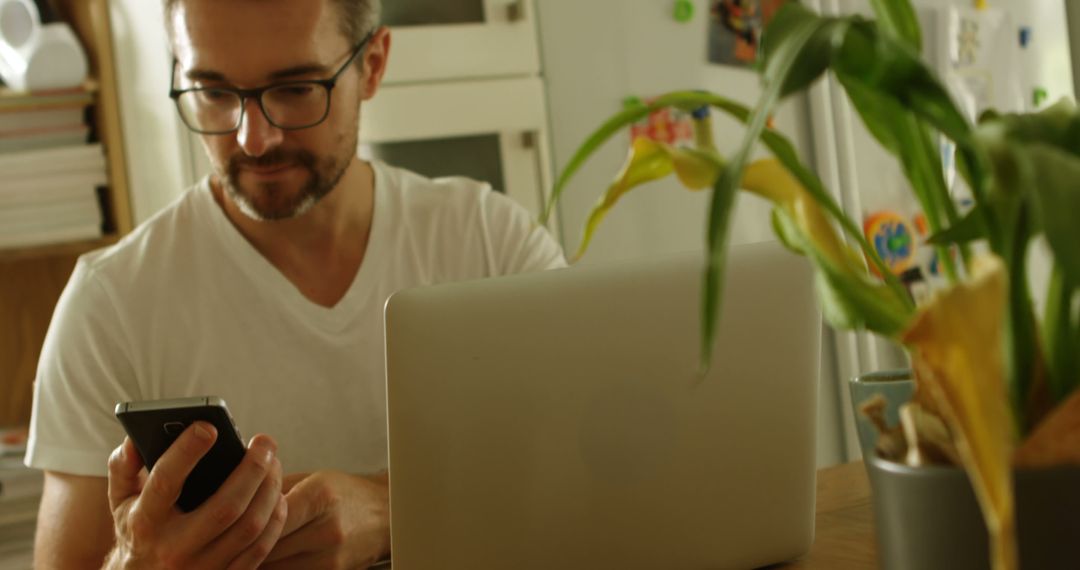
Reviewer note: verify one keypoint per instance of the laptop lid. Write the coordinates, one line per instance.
(557, 419)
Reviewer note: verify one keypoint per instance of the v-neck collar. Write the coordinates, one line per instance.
(268, 278)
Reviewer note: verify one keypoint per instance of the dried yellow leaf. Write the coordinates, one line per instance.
(956, 345)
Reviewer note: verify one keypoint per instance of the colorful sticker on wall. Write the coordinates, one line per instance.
(735, 29)
(922, 230)
(670, 126)
(894, 238)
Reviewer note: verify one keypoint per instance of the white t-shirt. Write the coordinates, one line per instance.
(185, 306)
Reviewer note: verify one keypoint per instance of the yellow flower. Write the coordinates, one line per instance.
(650, 160)
(956, 348)
(769, 179)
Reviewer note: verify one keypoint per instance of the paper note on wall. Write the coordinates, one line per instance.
(981, 55)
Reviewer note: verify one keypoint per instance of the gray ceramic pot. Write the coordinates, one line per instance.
(928, 519)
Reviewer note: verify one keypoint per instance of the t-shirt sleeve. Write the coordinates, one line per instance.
(517, 242)
(82, 373)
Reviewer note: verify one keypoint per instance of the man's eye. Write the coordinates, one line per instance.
(295, 90)
(216, 95)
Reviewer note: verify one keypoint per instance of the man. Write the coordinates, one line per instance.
(264, 285)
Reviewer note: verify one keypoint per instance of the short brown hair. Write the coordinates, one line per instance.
(358, 17)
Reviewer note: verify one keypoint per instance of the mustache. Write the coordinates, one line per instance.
(275, 157)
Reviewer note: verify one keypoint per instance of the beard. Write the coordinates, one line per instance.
(267, 201)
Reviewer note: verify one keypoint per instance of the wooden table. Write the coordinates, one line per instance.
(844, 537)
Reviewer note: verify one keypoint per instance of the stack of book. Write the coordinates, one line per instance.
(20, 495)
(49, 173)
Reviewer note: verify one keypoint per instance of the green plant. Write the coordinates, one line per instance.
(986, 361)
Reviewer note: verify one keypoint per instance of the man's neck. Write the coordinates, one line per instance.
(321, 250)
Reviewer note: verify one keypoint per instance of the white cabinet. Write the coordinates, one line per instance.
(463, 95)
(439, 40)
(491, 130)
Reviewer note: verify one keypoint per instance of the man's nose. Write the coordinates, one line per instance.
(256, 134)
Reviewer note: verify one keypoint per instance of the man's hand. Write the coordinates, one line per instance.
(235, 528)
(336, 520)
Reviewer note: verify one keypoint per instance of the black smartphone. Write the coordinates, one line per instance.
(154, 425)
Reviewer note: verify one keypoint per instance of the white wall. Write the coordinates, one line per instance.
(157, 165)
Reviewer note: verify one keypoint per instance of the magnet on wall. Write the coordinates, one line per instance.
(735, 28)
(1025, 36)
(1039, 95)
(684, 11)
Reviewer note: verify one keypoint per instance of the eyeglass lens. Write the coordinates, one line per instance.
(288, 106)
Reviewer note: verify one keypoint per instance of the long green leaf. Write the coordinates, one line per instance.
(1054, 173)
(893, 70)
(901, 133)
(778, 144)
(884, 104)
(1060, 324)
(1013, 176)
(848, 301)
(869, 103)
(801, 29)
(1057, 126)
(685, 100)
(1055, 192)
(782, 226)
(815, 57)
(886, 67)
(970, 228)
(898, 18)
(595, 140)
(1072, 379)
(785, 152)
(1022, 353)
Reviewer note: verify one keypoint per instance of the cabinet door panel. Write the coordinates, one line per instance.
(476, 156)
(494, 130)
(404, 13)
(433, 40)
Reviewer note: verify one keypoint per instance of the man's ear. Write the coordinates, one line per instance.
(375, 55)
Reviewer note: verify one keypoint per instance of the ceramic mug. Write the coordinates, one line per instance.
(896, 386)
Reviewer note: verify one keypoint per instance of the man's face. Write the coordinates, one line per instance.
(271, 173)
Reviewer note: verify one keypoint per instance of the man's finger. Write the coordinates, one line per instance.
(302, 562)
(250, 527)
(124, 466)
(305, 504)
(291, 480)
(256, 553)
(172, 469)
(232, 499)
(299, 542)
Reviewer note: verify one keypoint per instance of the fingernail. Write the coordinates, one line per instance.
(203, 432)
(265, 450)
(265, 443)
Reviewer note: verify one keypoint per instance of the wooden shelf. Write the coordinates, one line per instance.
(90, 20)
(34, 277)
(65, 249)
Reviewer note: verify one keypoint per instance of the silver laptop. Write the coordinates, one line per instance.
(556, 419)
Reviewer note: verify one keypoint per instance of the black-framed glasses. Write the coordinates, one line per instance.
(289, 105)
